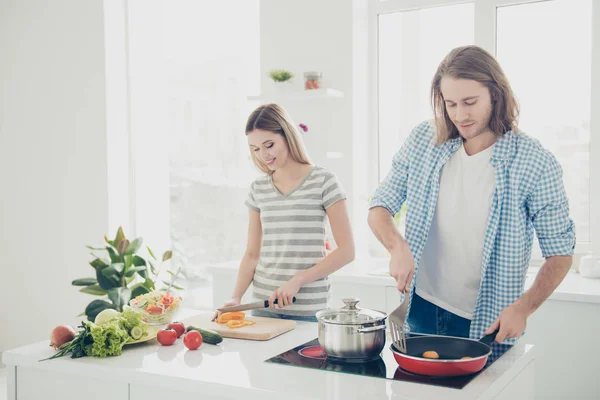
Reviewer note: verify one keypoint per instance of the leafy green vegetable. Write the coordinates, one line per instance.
(107, 339)
(103, 340)
(130, 319)
(76, 347)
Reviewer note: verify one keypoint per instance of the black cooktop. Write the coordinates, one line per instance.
(311, 355)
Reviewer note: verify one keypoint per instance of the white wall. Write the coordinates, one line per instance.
(315, 35)
(53, 161)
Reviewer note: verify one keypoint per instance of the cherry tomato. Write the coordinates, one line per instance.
(179, 327)
(192, 340)
(167, 337)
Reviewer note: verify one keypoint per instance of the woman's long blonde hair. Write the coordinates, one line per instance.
(273, 118)
(474, 63)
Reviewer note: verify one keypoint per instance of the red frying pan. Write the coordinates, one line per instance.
(451, 351)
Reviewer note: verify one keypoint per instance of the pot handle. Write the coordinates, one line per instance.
(370, 329)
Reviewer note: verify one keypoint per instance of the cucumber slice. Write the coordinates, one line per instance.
(136, 332)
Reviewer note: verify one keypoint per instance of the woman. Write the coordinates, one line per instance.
(285, 255)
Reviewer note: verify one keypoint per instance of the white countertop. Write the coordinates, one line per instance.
(237, 366)
(573, 288)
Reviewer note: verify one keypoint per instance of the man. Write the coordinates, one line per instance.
(476, 189)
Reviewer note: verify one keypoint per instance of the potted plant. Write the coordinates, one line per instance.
(281, 79)
(280, 75)
(122, 275)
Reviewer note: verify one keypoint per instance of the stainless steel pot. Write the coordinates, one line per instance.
(352, 333)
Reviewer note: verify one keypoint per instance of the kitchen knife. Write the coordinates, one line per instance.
(249, 306)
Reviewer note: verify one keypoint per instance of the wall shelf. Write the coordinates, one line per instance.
(325, 93)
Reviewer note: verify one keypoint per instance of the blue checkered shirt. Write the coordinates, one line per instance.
(529, 196)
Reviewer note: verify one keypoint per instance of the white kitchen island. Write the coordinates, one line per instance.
(235, 369)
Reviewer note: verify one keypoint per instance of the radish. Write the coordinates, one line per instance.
(62, 334)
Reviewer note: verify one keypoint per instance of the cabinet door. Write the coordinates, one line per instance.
(35, 384)
(143, 392)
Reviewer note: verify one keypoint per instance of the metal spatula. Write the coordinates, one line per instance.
(396, 319)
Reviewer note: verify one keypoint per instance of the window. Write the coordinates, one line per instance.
(191, 73)
(546, 50)
(411, 45)
(549, 65)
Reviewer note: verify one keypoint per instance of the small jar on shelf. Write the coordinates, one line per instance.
(312, 80)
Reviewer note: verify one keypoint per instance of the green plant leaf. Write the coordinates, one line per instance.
(138, 261)
(95, 307)
(81, 315)
(122, 246)
(134, 246)
(110, 272)
(95, 290)
(107, 240)
(95, 247)
(172, 285)
(131, 271)
(128, 261)
(150, 252)
(129, 279)
(84, 282)
(106, 282)
(138, 289)
(119, 296)
(167, 255)
(149, 284)
(114, 257)
(118, 267)
(99, 262)
(119, 237)
(152, 267)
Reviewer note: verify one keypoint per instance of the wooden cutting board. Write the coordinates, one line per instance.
(264, 329)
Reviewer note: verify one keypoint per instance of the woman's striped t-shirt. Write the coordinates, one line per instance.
(293, 237)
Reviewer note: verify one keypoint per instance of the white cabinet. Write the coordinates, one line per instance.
(142, 392)
(37, 384)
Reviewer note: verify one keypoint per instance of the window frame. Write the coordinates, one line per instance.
(485, 36)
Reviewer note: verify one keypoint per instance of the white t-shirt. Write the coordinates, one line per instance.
(449, 274)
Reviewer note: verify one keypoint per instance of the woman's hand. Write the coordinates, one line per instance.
(286, 293)
(233, 302)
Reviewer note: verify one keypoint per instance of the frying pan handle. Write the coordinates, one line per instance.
(488, 339)
(275, 302)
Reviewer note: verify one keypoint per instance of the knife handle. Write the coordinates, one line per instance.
(275, 302)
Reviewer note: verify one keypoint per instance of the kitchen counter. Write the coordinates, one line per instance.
(574, 287)
(236, 369)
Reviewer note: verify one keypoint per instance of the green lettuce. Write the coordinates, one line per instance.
(108, 339)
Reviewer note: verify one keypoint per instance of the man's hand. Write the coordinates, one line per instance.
(511, 323)
(402, 267)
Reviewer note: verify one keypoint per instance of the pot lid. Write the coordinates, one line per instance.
(350, 314)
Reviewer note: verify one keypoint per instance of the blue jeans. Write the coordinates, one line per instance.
(425, 317)
(270, 314)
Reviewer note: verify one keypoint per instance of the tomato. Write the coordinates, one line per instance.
(167, 337)
(192, 340)
(179, 327)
